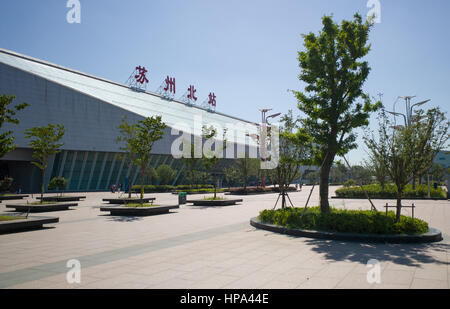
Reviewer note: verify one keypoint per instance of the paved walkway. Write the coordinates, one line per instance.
(201, 247)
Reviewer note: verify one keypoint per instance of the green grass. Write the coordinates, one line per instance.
(41, 203)
(137, 205)
(10, 218)
(217, 198)
(390, 191)
(346, 221)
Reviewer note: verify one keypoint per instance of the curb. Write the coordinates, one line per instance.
(433, 235)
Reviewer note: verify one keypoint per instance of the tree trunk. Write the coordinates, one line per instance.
(42, 186)
(142, 184)
(215, 185)
(43, 180)
(130, 182)
(283, 196)
(399, 205)
(414, 182)
(323, 184)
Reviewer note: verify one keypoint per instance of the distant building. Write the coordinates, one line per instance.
(443, 159)
(91, 108)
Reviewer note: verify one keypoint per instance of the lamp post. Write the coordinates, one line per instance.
(409, 109)
(264, 123)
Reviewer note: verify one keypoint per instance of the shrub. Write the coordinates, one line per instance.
(59, 183)
(165, 174)
(349, 183)
(154, 188)
(255, 190)
(5, 184)
(390, 191)
(346, 221)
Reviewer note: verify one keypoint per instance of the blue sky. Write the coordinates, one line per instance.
(244, 51)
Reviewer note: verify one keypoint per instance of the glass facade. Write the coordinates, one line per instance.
(97, 171)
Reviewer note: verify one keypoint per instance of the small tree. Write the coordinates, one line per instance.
(191, 164)
(148, 131)
(139, 139)
(397, 146)
(231, 176)
(437, 172)
(128, 137)
(58, 183)
(378, 167)
(246, 167)
(210, 159)
(7, 116)
(45, 142)
(165, 174)
(5, 184)
(334, 73)
(294, 152)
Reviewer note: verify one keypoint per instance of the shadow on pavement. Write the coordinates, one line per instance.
(403, 254)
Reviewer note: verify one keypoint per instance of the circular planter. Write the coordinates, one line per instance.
(129, 200)
(12, 197)
(61, 198)
(26, 224)
(214, 202)
(392, 198)
(138, 211)
(42, 208)
(433, 235)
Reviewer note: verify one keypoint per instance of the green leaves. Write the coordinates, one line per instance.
(334, 75)
(7, 116)
(44, 141)
(138, 141)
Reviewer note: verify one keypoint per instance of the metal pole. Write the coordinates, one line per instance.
(429, 191)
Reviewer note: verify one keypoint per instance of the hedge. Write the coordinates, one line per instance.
(390, 191)
(345, 221)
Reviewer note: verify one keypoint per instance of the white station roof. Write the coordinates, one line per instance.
(174, 113)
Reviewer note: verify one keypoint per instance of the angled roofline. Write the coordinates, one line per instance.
(29, 58)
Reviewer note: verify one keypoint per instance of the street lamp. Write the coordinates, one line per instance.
(409, 109)
(398, 114)
(264, 124)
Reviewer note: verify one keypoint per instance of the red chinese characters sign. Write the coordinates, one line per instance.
(140, 76)
(212, 99)
(191, 93)
(170, 84)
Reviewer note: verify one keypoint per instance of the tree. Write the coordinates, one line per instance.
(294, 152)
(7, 116)
(45, 142)
(59, 183)
(231, 176)
(437, 172)
(148, 131)
(246, 167)
(128, 136)
(139, 139)
(211, 159)
(378, 167)
(397, 146)
(165, 174)
(335, 74)
(191, 164)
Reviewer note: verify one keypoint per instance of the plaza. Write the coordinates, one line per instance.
(214, 247)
